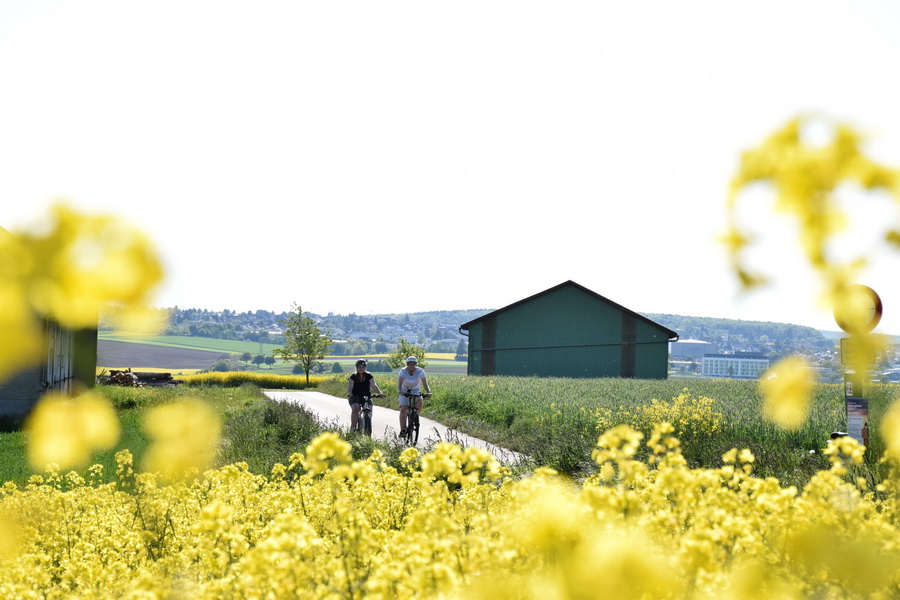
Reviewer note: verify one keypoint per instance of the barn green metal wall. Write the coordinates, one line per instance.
(567, 332)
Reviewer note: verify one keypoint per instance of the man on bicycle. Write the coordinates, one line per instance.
(359, 387)
(408, 384)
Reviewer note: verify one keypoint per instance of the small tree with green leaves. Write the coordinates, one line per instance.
(404, 350)
(304, 342)
(461, 350)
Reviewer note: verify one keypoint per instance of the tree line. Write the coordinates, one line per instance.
(437, 331)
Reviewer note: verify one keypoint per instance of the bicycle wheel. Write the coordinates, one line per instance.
(413, 431)
(367, 423)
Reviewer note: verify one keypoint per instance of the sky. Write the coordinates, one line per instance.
(391, 157)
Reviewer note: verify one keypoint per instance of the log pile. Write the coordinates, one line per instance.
(138, 379)
(158, 379)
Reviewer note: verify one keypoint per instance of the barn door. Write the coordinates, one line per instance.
(629, 337)
(488, 346)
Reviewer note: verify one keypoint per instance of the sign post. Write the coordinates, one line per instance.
(858, 317)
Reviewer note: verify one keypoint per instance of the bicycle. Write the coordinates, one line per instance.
(412, 419)
(364, 423)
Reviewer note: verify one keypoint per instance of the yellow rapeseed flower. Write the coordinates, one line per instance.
(82, 263)
(67, 431)
(19, 329)
(786, 392)
(185, 436)
(21, 336)
(10, 535)
(805, 177)
(326, 451)
(890, 430)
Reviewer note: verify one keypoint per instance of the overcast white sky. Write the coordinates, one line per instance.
(386, 156)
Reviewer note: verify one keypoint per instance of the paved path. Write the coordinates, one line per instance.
(386, 422)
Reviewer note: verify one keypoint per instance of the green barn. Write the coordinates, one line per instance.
(568, 331)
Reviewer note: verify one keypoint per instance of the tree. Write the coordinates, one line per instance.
(404, 350)
(304, 342)
(461, 350)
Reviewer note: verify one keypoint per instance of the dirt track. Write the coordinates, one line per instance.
(120, 355)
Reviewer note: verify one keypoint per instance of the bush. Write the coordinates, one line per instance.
(268, 434)
(262, 380)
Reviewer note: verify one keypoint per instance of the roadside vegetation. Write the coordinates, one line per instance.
(555, 422)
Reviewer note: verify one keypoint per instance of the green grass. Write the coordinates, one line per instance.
(257, 430)
(556, 422)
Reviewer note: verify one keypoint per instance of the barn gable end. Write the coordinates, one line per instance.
(567, 331)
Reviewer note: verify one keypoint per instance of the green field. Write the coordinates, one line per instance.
(557, 421)
(437, 364)
(192, 343)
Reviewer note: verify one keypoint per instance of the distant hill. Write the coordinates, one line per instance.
(733, 334)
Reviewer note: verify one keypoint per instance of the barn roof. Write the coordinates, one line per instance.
(673, 336)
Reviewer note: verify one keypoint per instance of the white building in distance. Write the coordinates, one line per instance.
(690, 348)
(740, 365)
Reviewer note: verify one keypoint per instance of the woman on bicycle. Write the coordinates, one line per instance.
(408, 384)
(359, 386)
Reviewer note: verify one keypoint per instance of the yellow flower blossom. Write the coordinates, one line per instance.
(325, 451)
(805, 177)
(787, 390)
(890, 430)
(82, 263)
(185, 437)
(18, 327)
(67, 431)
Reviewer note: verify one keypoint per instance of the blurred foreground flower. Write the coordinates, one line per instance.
(68, 431)
(890, 431)
(786, 393)
(805, 177)
(20, 336)
(82, 263)
(185, 437)
(67, 268)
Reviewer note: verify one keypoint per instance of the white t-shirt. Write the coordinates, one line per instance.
(411, 382)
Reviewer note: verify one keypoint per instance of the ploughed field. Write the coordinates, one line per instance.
(117, 355)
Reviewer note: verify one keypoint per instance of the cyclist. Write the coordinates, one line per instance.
(359, 386)
(408, 384)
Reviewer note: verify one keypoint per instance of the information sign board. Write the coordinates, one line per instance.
(858, 419)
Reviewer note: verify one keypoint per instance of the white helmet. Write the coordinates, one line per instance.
(412, 359)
